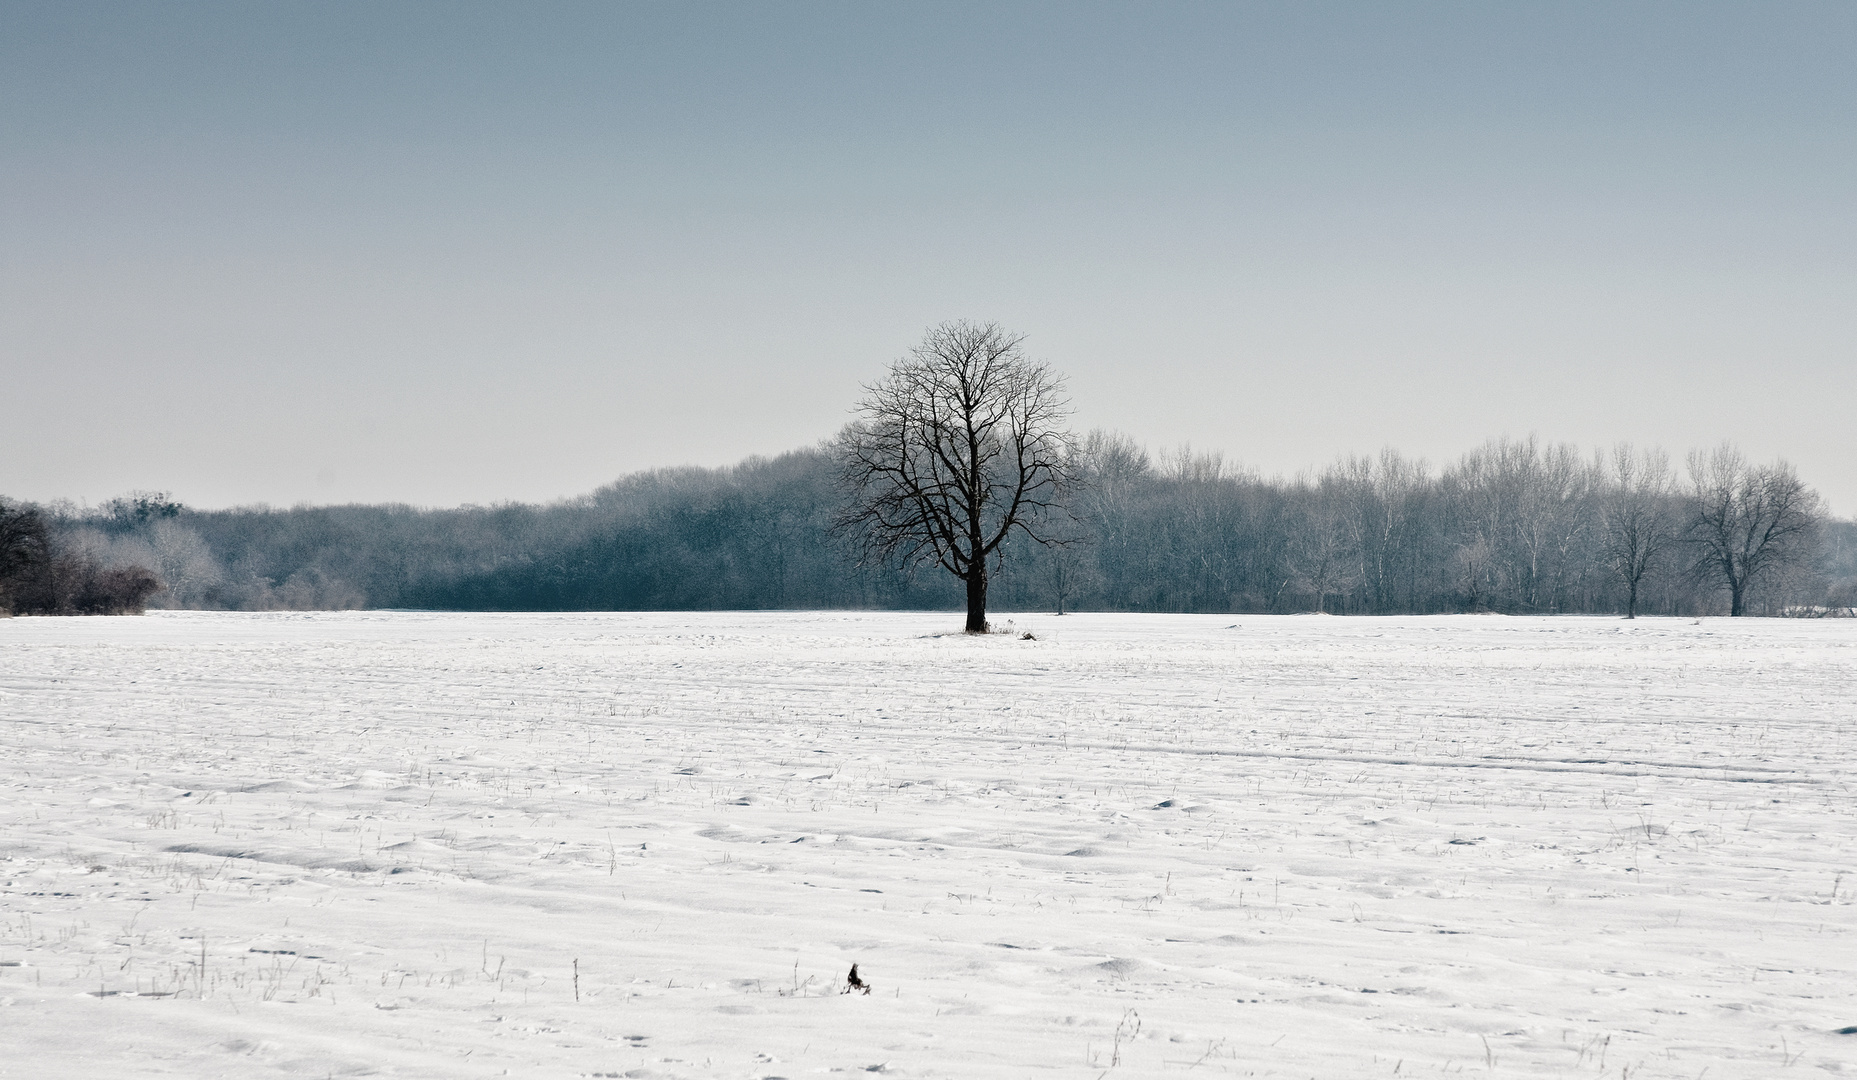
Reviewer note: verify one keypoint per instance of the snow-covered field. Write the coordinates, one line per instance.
(653, 845)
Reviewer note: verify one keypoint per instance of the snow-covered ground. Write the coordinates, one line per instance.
(426, 845)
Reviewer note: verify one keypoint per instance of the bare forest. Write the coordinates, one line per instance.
(1514, 526)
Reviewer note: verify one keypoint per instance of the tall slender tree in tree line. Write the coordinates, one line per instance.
(1635, 516)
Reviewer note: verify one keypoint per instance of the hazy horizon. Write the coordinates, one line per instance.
(1159, 456)
(471, 254)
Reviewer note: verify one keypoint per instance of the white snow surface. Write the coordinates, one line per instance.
(625, 845)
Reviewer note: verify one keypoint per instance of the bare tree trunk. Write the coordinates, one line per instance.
(977, 599)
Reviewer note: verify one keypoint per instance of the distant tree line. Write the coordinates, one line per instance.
(1515, 526)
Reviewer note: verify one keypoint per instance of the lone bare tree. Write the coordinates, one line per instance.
(960, 445)
(1635, 517)
(1746, 521)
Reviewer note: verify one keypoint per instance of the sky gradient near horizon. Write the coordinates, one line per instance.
(448, 253)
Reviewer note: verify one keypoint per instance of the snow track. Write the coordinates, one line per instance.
(430, 845)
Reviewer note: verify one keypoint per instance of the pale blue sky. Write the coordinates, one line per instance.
(444, 253)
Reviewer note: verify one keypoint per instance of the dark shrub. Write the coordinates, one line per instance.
(119, 590)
